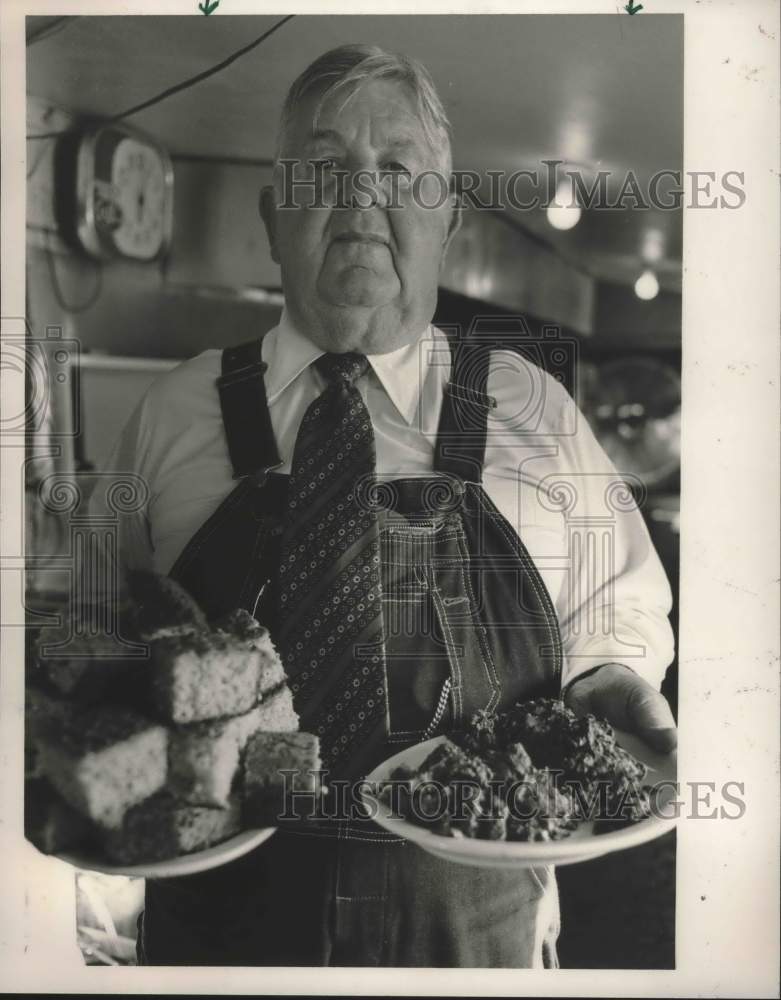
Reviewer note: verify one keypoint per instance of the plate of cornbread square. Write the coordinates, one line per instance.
(164, 763)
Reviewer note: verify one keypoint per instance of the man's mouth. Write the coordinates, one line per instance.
(361, 238)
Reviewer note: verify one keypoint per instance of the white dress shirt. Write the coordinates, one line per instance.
(543, 469)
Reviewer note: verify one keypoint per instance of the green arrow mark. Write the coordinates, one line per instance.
(632, 8)
(207, 7)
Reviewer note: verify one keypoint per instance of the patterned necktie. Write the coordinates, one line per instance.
(330, 612)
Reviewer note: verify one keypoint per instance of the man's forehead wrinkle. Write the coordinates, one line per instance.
(383, 136)
(405, 126)
(401, 100)
(395, 116)
(324, 135)
(391, 140)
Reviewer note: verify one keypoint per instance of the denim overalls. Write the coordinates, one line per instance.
(469, 625)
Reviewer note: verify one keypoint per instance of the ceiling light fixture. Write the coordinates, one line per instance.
(564, 211)
(647, 286)
(652, 249)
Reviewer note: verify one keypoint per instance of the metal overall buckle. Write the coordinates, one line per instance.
(259, 477)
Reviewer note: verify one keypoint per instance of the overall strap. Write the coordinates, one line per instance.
(461, 435)
(251, 443)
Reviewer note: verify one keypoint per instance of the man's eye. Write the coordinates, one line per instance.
(325, 163)
(394, 166)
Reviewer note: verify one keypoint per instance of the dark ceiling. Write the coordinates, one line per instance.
(603, 91)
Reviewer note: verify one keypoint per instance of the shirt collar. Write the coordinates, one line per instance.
(288, 352)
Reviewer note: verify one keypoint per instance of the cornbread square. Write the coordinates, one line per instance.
(161, 828)
(266, 787)
(198, 677)
(103, 761)
(50, 823)
(277, 714)
(203, 758)
(272, 673)
(242, 626)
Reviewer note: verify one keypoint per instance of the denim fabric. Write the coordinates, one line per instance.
(462, 599)
(329, 902)
(463, 603)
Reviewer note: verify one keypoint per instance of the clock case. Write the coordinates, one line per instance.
(82, 168)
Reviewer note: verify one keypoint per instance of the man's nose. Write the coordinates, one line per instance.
(364, 189)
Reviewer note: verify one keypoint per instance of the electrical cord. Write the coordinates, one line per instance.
(81, 307)
(224, 160)
(48, 112)
(184, 85)
(37, 161)
(54, 27)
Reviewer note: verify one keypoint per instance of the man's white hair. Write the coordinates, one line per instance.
(351, 65)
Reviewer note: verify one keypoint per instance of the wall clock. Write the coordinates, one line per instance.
(124, 194)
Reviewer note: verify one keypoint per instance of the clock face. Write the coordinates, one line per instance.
(124, 197)
(138, 178)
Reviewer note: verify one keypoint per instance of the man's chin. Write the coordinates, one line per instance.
(373, 329)
(361, 288)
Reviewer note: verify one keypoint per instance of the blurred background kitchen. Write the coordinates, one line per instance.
(594, 92)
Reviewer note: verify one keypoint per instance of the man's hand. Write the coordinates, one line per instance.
(619, 695)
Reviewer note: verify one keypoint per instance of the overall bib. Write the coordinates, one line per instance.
(469, 625)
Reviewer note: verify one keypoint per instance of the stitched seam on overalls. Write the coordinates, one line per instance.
(407, 592)
(400, 540)
(262, 536)
(231, 380)
(392, 542)
(360, 899)
(402, 563)
(367, 837)
(415, 542)
(542, 596)
(347, 832)
(455, 666)
(397, 559)
(337, 835)
(440, 560)
(488, 661)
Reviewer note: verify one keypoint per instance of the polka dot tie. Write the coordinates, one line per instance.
(330, 633)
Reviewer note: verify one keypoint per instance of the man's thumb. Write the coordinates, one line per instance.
(577, 697)
(651, 717)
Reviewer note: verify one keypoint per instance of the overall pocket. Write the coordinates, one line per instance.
(417, 650)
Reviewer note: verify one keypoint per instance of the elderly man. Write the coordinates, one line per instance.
(386, 502)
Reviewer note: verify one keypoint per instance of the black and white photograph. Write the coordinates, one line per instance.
(388, 510)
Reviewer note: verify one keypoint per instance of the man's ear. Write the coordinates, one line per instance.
(267, 204)
(454, 223)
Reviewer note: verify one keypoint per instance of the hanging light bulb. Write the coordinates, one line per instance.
(647, 286)
(564, 211)
(652, 247)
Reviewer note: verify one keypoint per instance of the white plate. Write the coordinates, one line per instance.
(187, 864)
(581, 845)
